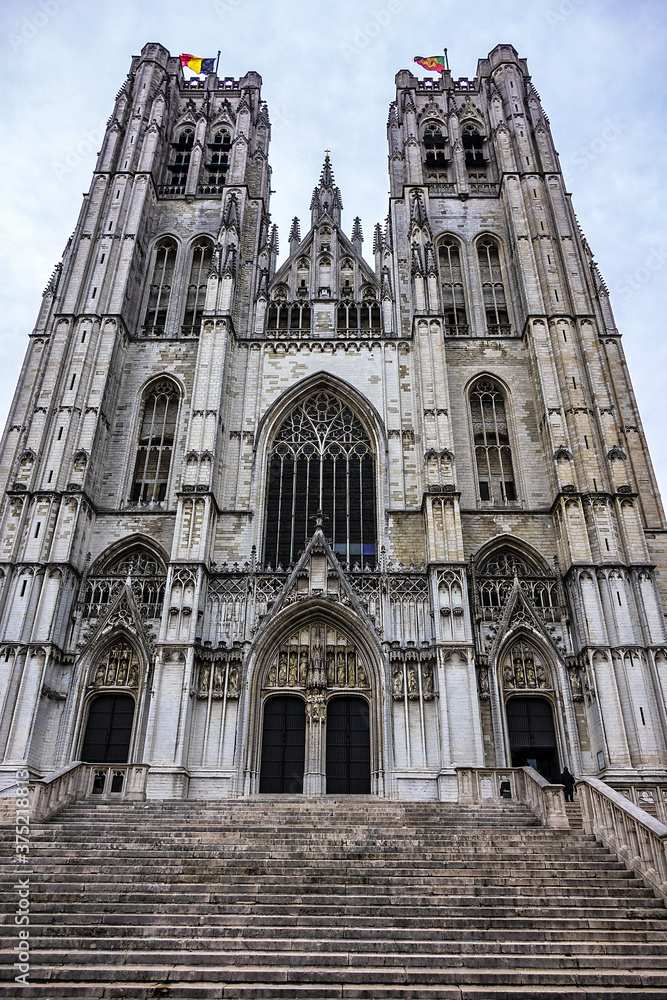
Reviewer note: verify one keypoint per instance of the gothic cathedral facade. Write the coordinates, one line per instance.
(327, 527)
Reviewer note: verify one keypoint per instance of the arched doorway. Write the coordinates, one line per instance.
(348, 747)
(283, 746)
(108, 730)
(532, 735)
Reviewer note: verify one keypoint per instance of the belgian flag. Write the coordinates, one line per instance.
(197, 64)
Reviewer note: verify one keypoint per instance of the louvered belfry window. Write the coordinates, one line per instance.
(321, 460)
(156, 442)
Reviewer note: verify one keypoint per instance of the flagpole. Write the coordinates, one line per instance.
(217, 63)
(446, 61)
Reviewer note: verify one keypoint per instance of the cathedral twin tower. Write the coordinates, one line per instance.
(328, 527)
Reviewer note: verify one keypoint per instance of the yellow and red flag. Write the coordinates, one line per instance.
(435, 64)
(197, 64)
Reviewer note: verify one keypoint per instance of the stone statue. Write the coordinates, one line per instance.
(530, 674)
(101, 671)
(509, 679)
(340, 680)
(542, 677)
(133, 675)
(282, 667)
(362, 680)
(397, 681)
(575, 682)
(293, 668)
(519, 673)
(204, 677)
(303, 665)
(331, 666)
(271, 681)
(233, 681)
(217, 680)
(351, 672)
(413, 683)
(121, 677)
(427, 680)
(483, 682)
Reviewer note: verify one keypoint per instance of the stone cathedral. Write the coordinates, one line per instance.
(328, 527)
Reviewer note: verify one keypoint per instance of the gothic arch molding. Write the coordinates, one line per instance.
(126, 544)
(311, 612)
(518, 546)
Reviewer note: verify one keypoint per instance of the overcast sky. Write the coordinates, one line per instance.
(328, 71)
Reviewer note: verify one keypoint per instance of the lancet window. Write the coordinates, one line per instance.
(321, 460)
(156, 442)
(147, 575)
(453, 298)
(493, 289)
(160, 289)
(195, 301)
(493, 454)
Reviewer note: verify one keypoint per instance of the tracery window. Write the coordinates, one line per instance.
(156, 442)
(147, 575)
(321, 460)
(160, 289)
(435, 154)
(495, 474)
(453, 298)
(182, 153)
(493, 289)
(353, 316)
(202, 255)
(218, 164)
(294, 316)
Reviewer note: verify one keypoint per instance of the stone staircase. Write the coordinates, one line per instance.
(281, 896)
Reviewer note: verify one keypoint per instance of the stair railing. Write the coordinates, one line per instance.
(636, 837)
(524, 784)
(52, 793)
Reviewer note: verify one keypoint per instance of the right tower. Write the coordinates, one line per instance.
(532, 437)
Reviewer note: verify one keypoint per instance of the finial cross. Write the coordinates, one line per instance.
(326, 152)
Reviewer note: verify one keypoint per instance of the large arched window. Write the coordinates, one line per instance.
(202, 254)
(321, 460)
(435, 154)
(156, 442)
(493, 455)
(453, 299)
(493, 290)
(160, 289)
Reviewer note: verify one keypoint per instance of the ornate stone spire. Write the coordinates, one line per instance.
(326, 198)
(357, 235)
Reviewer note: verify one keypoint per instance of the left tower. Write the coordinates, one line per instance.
(112, 456)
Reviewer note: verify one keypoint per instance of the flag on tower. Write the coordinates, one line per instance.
(436, 64)
(197, 64)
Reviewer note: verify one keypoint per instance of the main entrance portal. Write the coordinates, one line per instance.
(348, 747)
(283, 746)
(532, 735)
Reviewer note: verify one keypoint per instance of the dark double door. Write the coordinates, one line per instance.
(347, 747)
(283, 746)
(532, 736)
(108, 731)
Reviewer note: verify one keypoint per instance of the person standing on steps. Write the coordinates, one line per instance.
(567, 779)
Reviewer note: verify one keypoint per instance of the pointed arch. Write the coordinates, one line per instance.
(514, 545)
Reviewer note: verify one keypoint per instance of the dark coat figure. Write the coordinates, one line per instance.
(568, 780)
